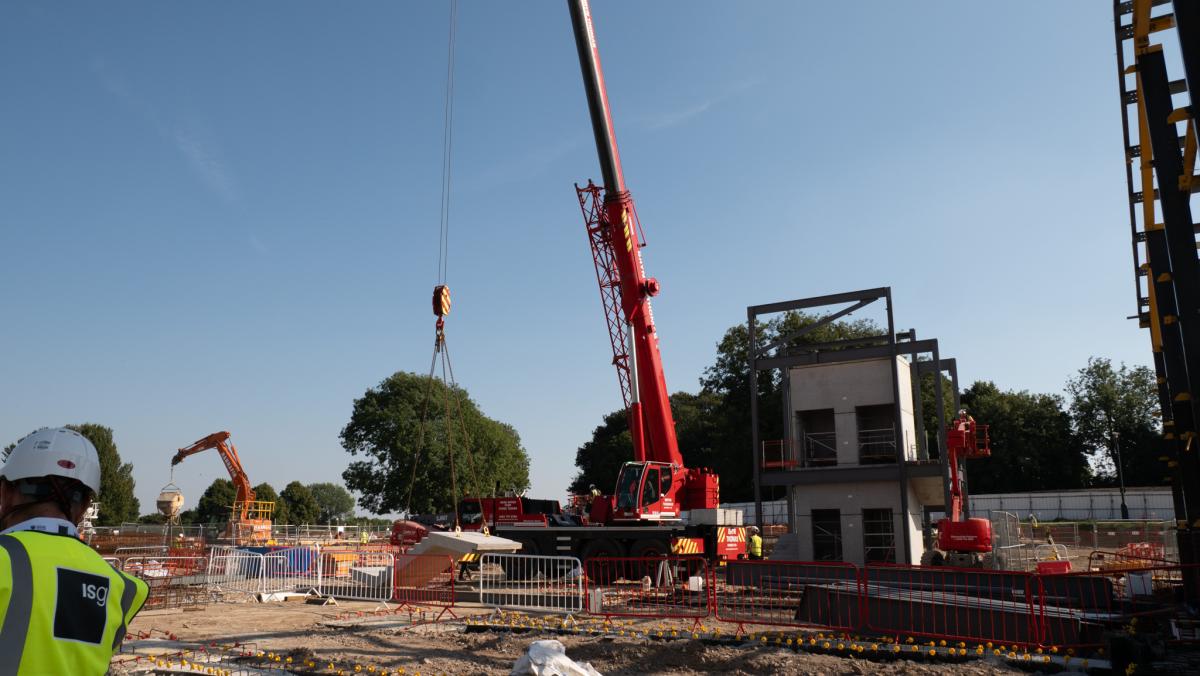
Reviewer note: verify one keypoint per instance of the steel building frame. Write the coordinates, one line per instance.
(1164, 252)
(781, 354)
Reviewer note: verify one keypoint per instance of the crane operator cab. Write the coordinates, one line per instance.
(646, 490)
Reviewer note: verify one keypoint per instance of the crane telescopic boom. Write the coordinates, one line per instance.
(651, 423)
(656, 486)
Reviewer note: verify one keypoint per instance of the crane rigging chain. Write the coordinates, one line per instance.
(452, 402)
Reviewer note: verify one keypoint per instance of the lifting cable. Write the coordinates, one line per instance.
(441, 307)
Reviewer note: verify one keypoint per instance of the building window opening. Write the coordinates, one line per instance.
(879, 536)
(876, 434)
(817, 437)
(827, 534)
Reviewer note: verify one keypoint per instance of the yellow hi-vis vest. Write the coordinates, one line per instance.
(63, 609)
(755, 545)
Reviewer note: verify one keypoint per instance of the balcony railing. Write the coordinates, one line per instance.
(877, 446)
(820, 449)
(775, 455)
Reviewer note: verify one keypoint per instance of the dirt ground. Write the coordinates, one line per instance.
(377, 643)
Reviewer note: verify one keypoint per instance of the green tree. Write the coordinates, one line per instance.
(600, 458)
(118, 503)
(302, 507)
(153, 518)
(1033, 444)
(216, 503)
(264, 492)
(1107, 401)
(385, 431)
(334, 502)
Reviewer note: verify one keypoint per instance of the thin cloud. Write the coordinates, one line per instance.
(192, 140)
(674, 118)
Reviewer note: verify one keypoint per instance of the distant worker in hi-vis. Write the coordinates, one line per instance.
(63, 608)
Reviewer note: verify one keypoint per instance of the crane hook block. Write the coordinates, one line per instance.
(441, 300)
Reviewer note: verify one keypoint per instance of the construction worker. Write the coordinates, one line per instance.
(363, 536)
(754, 549)
(65, 610)
(594, 491)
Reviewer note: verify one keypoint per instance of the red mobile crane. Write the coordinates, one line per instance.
(644, 515)
(962, 542)
(656, 485)
(250, 520)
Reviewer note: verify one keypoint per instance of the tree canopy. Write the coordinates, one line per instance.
(1112, 406)
(334, 503)
(302, 507)
(385, 433)
(1033, 444)
(215, 503)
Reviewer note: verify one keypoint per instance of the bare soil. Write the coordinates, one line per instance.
(304, 633)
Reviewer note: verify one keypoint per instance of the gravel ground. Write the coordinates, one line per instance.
(303, 633)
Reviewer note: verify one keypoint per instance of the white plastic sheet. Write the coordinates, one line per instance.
(549, 658)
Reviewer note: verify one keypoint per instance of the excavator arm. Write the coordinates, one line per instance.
(229, 455)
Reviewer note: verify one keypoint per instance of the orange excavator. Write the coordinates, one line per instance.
(250, 520)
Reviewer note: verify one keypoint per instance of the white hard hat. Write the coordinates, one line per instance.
(54, 451)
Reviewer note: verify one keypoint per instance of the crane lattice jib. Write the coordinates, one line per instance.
(617, 233)
(591, 202)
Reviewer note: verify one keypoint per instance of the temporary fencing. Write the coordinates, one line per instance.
(235, 573)
(789, 594)
(363, 576)
(1075, 608)
(174, 581)
(532, 583)
(424, 580)
(648, 587)
(960, 604)
(291, 570)
(905, 602)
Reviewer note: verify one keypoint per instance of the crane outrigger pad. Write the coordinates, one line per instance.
(425, 562)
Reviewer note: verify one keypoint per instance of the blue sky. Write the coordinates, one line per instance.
(225, 215)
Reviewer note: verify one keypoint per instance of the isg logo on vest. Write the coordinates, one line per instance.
(81, 607)
(97, 592)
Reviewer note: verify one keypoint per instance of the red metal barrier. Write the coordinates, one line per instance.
(424, 580)
(649, 587)
(1074, 609)
(959, 604)
(826, 595)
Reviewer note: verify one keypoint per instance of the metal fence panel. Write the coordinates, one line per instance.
(789, 593)
(649, 587)
(960, 604)
(174, 581)
(363, 575)
(527, 582)
(423, 580)
(295, 569)
(235, 571)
